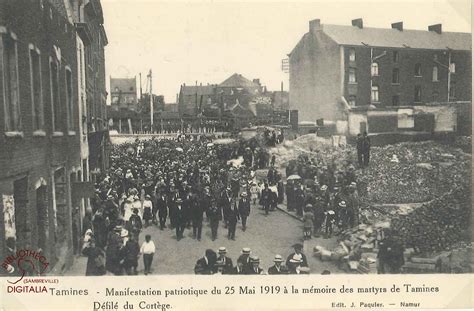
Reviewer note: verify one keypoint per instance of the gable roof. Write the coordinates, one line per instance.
(237, 80)
(388, 37)
(199, 89)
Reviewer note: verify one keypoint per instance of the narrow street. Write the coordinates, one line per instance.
(265, 235)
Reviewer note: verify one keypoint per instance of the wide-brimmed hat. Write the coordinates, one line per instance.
(243, 194)
(324, 187)
(278, 258)
(245, 250)
(118, 228)
(342, 204)
(147, 196)
(178, 200)
(297, 258)
(353, 184)
(254, 259)
(222, 250)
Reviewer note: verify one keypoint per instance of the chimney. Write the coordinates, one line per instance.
(436, 28)
(358, 22)
(398, 26)
(314, 25)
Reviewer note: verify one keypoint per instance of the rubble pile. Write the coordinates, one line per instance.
(313, 146)
(357, 249)
(438, 224)
(413, 172)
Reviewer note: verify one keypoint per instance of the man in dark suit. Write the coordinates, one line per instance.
(255, 269)
(180, 219)
(245, 259)
(265, 198)
(225, 261)
(225, 203)
(173, 197)
(206, 264)
(161, 206)
(214, 217)
(232, 218)
(277, 268)
(298, 251)
(239, 268)
(205, 201)
(196, 212)
(244, 209)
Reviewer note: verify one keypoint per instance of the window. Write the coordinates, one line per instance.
(396, 76)
(395, 56)
(417, 93)
(375, 93)
(375, 69)
(11, 97)
(452, 90)
(395, 100)
(54, 85)
(352, 55)
(435, 74)
(36, 89)
(452, 67)
(418, 70)
(69, 100)
(352, 75)
(352, 101)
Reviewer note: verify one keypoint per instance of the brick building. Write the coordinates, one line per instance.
(335, 68)
(44, 125)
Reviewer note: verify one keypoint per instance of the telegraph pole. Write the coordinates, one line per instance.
(151, 102)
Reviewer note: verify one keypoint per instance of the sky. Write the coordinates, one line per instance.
(207, 41)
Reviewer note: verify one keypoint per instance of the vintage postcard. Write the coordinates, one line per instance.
(235, 155)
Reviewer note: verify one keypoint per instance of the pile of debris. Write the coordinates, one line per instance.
(413, 172)
(357, 249)
(458, 260)
(313, 146)
(438, 224)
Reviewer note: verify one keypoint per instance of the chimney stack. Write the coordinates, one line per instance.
(358, 22)
(314, 25)
(398, 26)
(436, 28)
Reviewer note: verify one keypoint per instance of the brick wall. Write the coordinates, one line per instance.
(32, 156)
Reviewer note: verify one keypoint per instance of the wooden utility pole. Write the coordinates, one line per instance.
(151, 101)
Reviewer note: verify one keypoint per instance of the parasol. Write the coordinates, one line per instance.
(293, 177)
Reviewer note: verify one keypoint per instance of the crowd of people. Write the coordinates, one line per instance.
(171, 184)
(323, 194)
(249, 263)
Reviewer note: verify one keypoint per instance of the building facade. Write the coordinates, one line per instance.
(40, 154)
(48, 114)
(334, 68)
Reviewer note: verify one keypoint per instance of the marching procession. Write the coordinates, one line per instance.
(192, 181)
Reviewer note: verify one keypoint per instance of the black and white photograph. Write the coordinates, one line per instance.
(143, 138)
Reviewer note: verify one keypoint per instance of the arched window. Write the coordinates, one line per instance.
(435, 74)
(375, 69)
(375, 93)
